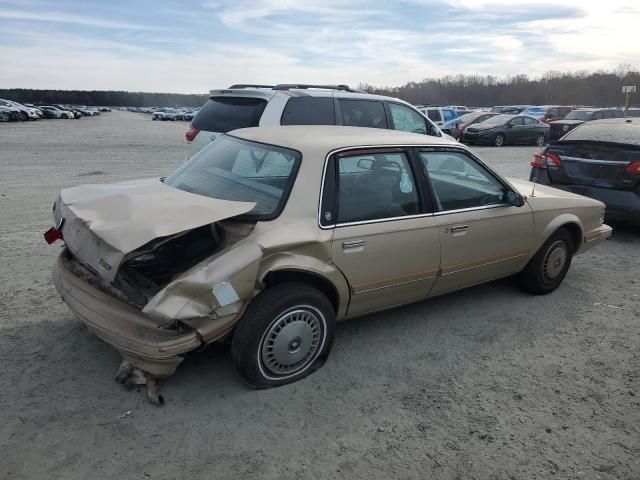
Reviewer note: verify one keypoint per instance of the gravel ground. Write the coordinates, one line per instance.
(485, 383)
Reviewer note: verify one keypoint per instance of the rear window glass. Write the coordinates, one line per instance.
(223, 114)
(362, 113)
(606, 132)
(579, 115)
(309, 111)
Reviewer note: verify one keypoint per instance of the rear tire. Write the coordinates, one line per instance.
(547, 269)
(285, 334)
(499, 140)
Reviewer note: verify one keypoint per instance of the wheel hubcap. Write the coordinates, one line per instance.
(292, 341)
(499, 140)
(540, 140)
(555, 260)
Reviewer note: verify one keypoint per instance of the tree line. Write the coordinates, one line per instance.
(569, 88)
(110, 98)
(566, 88)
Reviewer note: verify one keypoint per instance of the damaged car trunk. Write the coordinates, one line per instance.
(132, 239)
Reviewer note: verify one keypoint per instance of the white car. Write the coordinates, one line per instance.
(55, 112)
(26, 113)
(439, 115)
(241, 106)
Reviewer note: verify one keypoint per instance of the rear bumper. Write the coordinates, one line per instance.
(621, 205)
(139, 340)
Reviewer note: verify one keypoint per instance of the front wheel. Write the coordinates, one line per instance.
(499, 140)
(540, 140)
(285, 334)
(546, 270)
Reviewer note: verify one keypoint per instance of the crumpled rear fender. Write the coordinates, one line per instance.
(190, 296)
(299, 262)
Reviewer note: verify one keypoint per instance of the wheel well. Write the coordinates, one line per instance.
(576, 234)
(325, 286)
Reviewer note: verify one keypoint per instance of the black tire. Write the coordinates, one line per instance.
(546, 270)
(540, 140)
(280, 310)
(23, 116)
(498, 141)
(65, 116)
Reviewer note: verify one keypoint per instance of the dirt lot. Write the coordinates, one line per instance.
(485, 383)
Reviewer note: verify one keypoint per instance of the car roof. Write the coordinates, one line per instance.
(333, 137)
(620, 120)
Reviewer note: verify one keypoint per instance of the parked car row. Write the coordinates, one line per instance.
(11, 111)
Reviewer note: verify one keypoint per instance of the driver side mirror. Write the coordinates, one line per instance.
(514, 199)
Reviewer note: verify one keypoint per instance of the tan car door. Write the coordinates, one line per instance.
(482, 236)
(386, 241)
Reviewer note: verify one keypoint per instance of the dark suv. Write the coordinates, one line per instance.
(558, 128)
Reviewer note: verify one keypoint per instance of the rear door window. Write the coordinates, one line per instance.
(363, 113)
(309, 111)
(223, 114)
(530, 121)
(407, 120)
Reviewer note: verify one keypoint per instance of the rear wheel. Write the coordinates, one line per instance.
(546, 270)
(499, 140)
(285, 335)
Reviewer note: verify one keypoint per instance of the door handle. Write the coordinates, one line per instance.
(459, 228)
(353, 244)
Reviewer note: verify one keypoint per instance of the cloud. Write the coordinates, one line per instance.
(40, 16)
(221, 42)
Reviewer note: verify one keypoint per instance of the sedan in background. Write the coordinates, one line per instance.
(599, 159)
(577, 117)
(507, 129)
(548, 113)
(55, 112)
(456, 127)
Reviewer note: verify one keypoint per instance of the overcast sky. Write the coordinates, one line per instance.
(191, 47)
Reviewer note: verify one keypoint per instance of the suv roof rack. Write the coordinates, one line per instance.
(303, 86)
(249, 85)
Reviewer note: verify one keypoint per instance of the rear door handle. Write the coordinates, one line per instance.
(459, 228)
(353, 244)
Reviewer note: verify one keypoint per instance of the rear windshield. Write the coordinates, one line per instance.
(497, 120)
(606, 132)
(223, 114)
(233, 169)
(578, 115)
(309, 111)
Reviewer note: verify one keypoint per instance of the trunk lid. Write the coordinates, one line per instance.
(104, 223)
(594, 164)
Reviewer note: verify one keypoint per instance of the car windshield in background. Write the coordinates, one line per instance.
(497, 120)
(534, 111)
(624, 133)
(238, 170)
(579, 115)
(469, 117)
(223, 114)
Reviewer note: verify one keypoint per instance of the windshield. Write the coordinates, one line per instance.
(497, 120)
(579, 115)
(239, 170)
(469, 117)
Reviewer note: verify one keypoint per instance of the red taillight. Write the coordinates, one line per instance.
(633, 169)
(191, 133)
(52, 235)
(544, 160)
